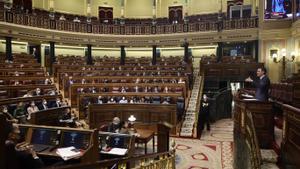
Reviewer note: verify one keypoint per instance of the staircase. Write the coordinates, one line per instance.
(191, 115)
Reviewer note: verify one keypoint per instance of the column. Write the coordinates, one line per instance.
(8, 49)
(154, 55)
(89, 58)
(186, 51)
(255, 46)
(52, 56)
(52, 52)
(253, 6)
(219, 51)
(123, 55)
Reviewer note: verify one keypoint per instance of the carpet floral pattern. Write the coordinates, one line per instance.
(212, 151)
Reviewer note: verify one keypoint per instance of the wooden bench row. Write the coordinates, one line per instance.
(64, 72)
(92, 98)
(77, 89)
(20, 90)
(21, 80)
(119, 79)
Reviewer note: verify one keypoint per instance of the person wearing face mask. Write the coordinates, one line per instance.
(43, 105)
(19, 113)
(203, 117)
(57, 103)
(31, 109)
(112, 100)
(37, 92)
(8, 116)
(123, 100)
(100, 100)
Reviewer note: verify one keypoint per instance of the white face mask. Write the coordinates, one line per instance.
(5, 111)
(44, 103)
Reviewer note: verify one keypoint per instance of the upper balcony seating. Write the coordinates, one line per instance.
(75, 23)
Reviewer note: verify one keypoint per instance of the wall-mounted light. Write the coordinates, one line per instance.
(284, 60)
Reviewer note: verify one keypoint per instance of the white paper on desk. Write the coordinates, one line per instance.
(117, 151)
(250, 99)
(247, 95)
(68, 153)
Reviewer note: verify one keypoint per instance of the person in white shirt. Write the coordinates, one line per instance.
(31, 109)
(28, 94)
(181, 81)
(99, 101)
(123, 100)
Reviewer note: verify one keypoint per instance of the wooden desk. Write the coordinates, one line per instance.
(144, 137)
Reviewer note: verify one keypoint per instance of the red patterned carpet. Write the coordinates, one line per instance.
(212, 151)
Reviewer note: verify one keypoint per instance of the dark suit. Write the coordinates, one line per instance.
(203, 116)
(262, 88)
(20, 159)
(42, 107)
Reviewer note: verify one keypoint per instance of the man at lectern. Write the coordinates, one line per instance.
(262, 84)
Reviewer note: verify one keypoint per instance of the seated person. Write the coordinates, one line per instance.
(37, 92)
(20, 155)
(8, 116)
(165, 101)
(31, 109)
(48, 81)
(53, 92)
(76, 20)
(100, 100)
(67, 119)
(114, 126)
(124, 127)
(20, 113)
(181, 81)
(62, 18)
(43, 105)
(111, 100)
(123, 100)
(57, 103)
(28, 94)
(123, 90)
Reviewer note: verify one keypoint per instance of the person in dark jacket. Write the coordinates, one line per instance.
(262, 84)
(21, 155)
(204, 117)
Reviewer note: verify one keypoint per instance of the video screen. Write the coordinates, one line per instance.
(278, 9)
(77, 139)
(116, 141)
(44, 137)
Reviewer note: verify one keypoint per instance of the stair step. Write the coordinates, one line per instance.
(268, 155)
(269, 166)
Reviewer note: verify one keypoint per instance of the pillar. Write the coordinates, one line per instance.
(123, 55)
(8, 49)
(52, 52)
(255, 46)
(89, 58)
(154, 56)
(219, 51)
(186, 51)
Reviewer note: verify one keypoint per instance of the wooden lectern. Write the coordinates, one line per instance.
(163, 130)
